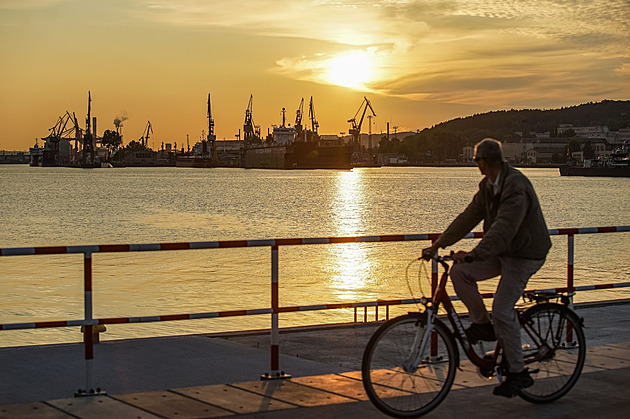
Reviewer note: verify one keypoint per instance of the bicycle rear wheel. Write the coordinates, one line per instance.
(554, 350)
(401, 391)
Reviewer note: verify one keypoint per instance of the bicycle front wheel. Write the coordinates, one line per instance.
(399, 380)
(554, 350)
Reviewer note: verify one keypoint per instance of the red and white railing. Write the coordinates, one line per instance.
(89, 322)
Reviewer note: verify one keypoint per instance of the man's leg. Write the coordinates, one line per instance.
(515, 273)
(465, 276)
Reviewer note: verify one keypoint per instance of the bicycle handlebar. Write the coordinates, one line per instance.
(446, 258)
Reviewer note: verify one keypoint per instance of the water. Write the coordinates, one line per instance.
(63, 206)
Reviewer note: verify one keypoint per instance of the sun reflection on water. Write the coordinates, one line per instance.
(351, 267)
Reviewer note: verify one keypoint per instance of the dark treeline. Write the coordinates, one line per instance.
(446, 140)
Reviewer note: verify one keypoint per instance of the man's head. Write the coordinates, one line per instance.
(489, 156)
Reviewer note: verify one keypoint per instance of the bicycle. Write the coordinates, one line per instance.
(410, 362)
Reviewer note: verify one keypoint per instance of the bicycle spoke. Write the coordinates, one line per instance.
(391, 384)
(555, 363)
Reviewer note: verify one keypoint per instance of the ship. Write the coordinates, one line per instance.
(615, 165)
(293, 147)
(209, 152)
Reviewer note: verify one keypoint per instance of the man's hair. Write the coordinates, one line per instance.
(490, 150)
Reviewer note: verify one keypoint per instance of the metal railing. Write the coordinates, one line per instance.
(89, 322)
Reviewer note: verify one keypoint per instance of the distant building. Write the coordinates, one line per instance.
(467, 154)
(513, 150)
(585, 132)
(618, 137)
(17, 157)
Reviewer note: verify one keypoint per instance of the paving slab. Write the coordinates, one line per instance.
(287, 391)
(36, 410)
(234, 399)
(613, 351)
(335, 383)
(98, 407)
(605, 362)
(168, 404)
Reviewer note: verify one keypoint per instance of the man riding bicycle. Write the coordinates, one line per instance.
(515, 245)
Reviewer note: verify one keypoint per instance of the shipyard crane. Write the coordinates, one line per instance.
(61, 129)
(144, 140)
(311, 115)
(299, 129)
(251, 133)
(211, 136)
(210, 121)
(355, 129)
(89, 146)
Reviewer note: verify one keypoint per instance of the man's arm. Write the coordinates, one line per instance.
(460, 226)
(512, 210)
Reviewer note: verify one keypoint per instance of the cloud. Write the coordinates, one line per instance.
(28, 4)
(417, 45)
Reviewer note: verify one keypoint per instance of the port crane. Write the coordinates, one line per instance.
(355, 129)
(299, 129)
(311, 115)
(251, 133)
(89, 146)
(211, 135)
(144, 140)
(62, 130)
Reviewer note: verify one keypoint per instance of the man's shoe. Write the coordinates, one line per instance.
(477, 332)
(514, 382)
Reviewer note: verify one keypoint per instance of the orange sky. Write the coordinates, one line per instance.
(419, 62)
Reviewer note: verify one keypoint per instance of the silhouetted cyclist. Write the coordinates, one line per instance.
(515, 245)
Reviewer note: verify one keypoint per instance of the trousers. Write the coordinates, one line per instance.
(514, 272)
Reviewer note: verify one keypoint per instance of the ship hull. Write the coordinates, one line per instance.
(595, 171)
(299, 155)
(195, 162)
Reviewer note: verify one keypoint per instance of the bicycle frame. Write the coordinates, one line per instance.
(429, 365)
(440, 296)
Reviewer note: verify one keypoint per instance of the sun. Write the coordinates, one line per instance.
(353, 70)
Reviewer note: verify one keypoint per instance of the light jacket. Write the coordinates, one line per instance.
(513, 222)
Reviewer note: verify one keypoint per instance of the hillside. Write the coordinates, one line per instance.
(445, 140)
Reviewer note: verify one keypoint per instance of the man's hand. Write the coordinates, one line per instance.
(429, 252)
(461, 257)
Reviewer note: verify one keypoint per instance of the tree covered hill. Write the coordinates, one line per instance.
(445, 140)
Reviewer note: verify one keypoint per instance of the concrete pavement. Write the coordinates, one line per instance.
(200, 376)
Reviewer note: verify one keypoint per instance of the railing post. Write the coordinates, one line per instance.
(570, 259)
(275, 372)
(570, 284)
(434, 284)
(88, 330)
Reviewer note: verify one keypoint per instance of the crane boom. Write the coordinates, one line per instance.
(311, 115)
(250, 133)
(211, 136)
(355, 129)
(298, 114)
(148, 129)
(210, 119)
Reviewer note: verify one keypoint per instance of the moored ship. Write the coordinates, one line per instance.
(616, 165)
(293, 147)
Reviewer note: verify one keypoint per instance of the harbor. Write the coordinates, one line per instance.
(209, 209)
(295, 144)
(287, 146)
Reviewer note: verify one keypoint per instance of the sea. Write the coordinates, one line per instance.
(69, 207)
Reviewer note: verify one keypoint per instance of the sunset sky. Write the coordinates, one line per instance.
(420, 62)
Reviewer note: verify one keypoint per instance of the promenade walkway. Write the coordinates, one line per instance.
(202, 376)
